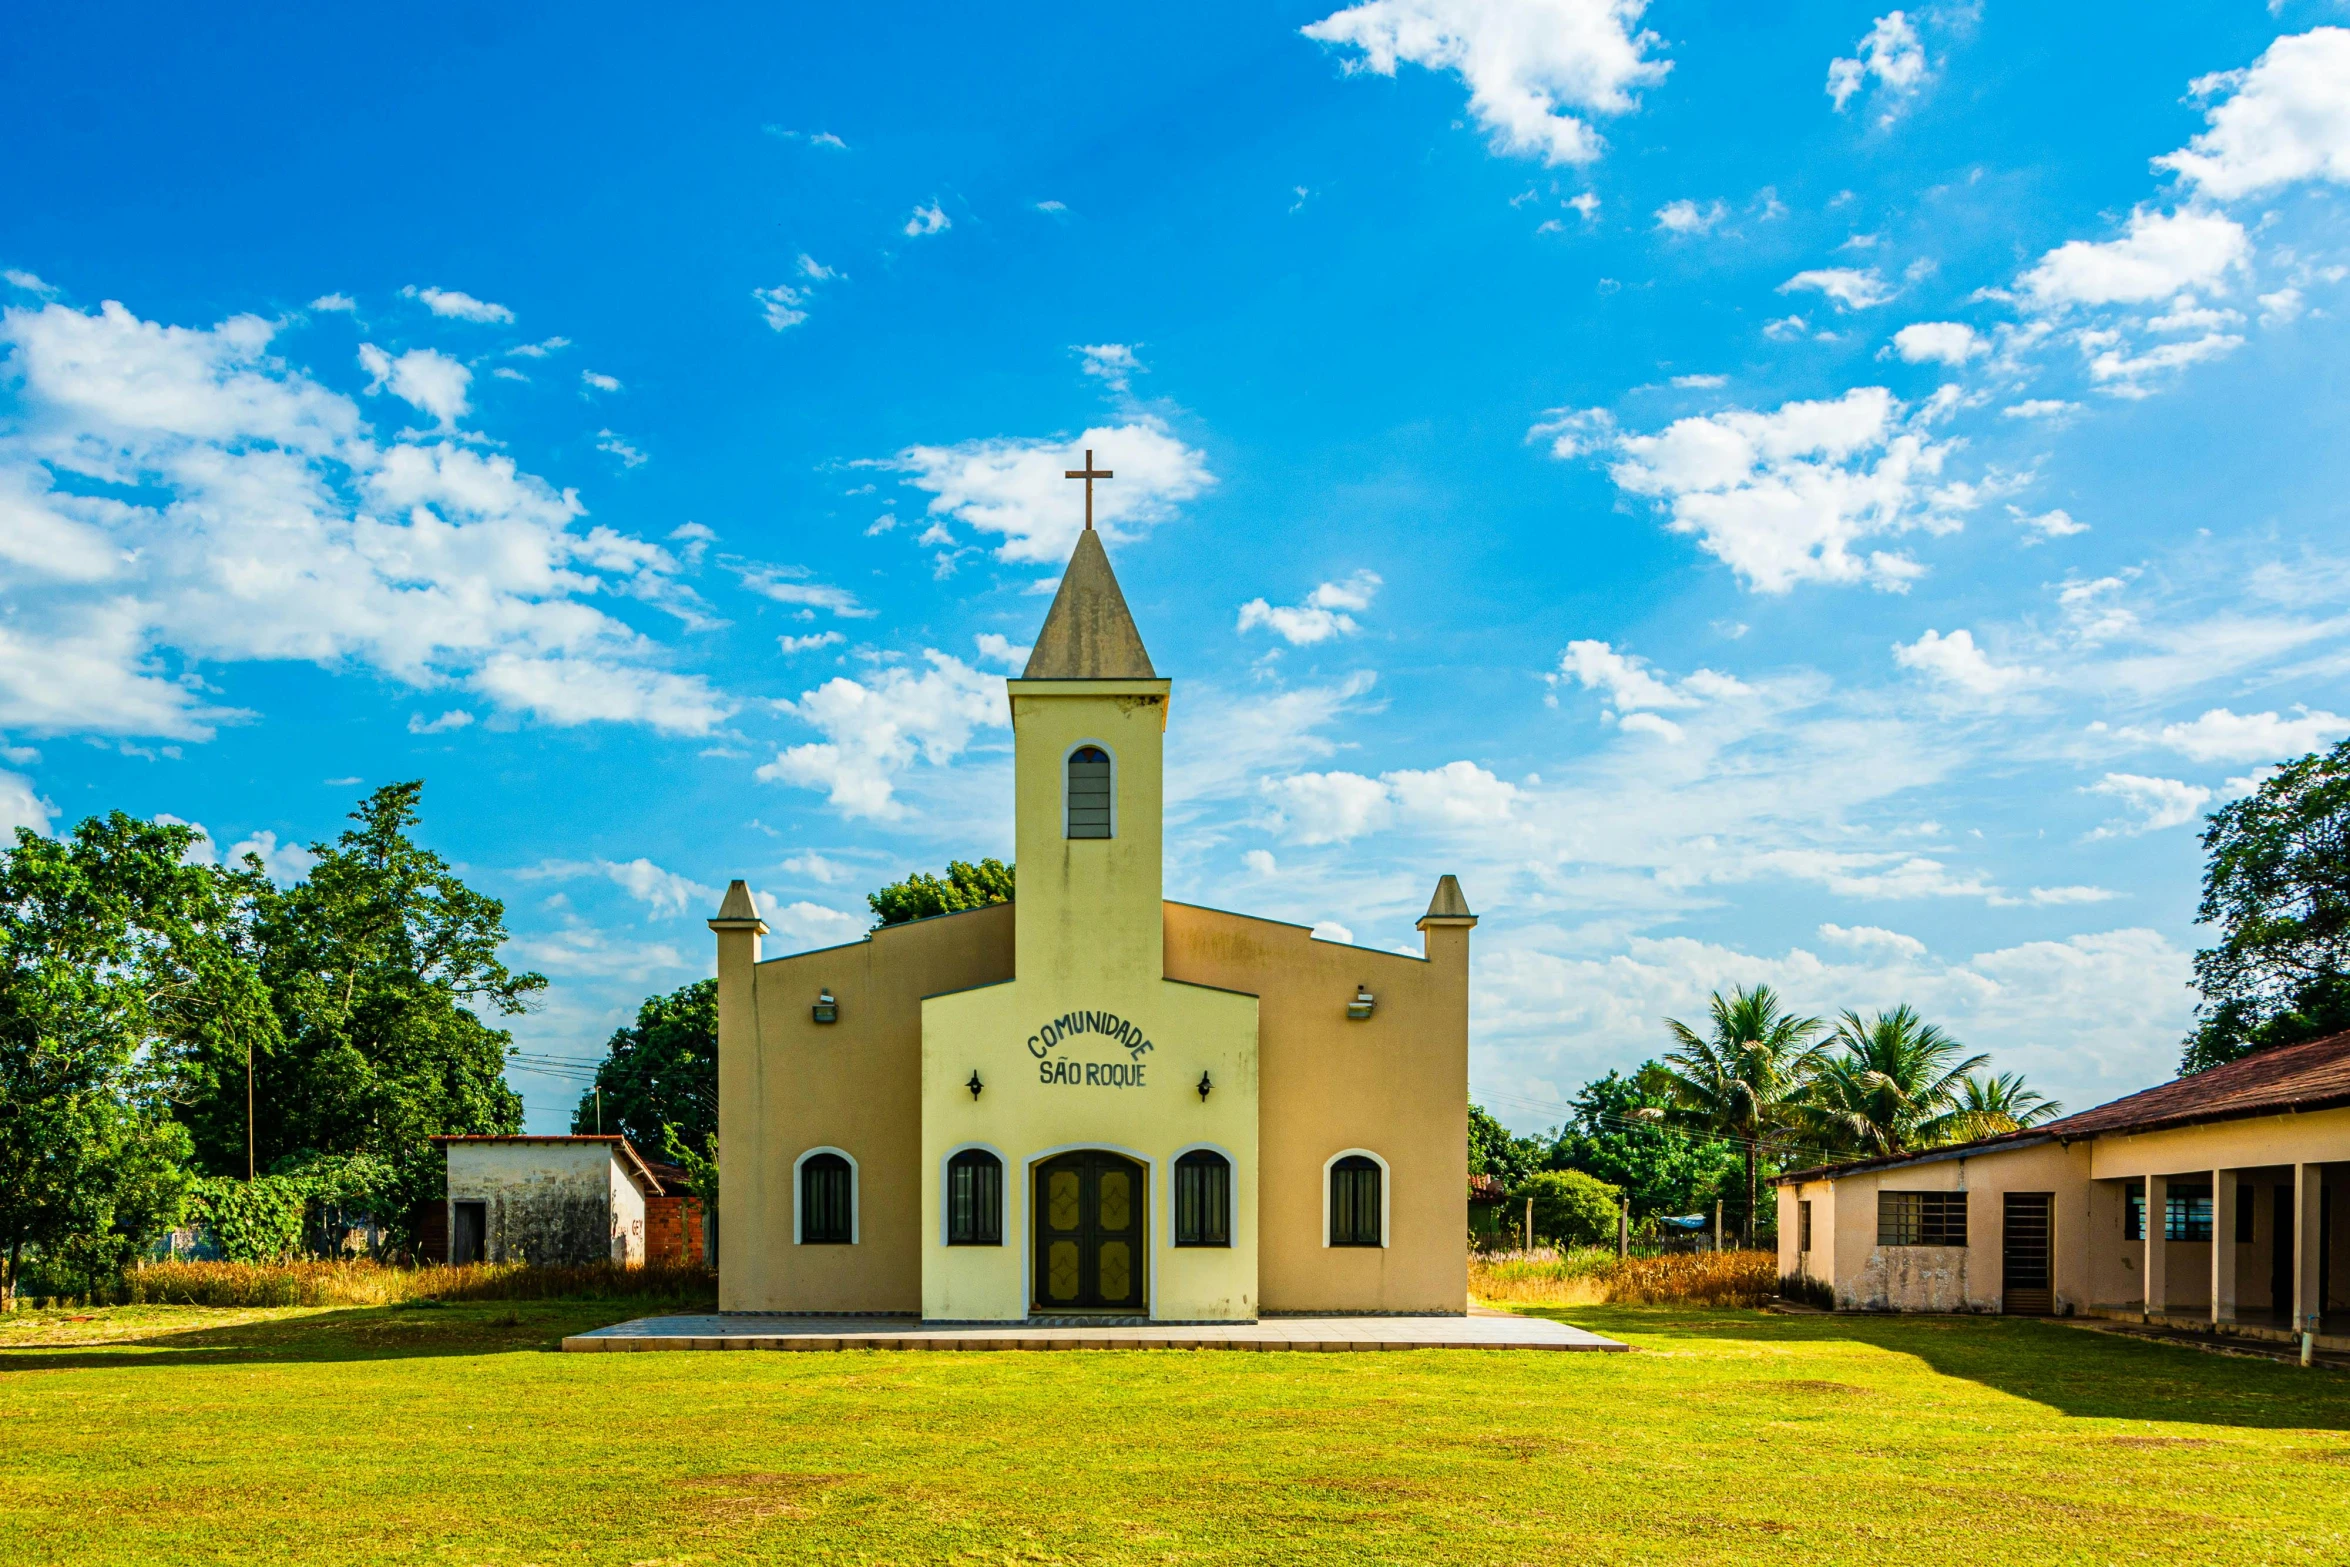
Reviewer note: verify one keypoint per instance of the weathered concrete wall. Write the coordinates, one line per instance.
(550, 1202)
(1870, 1277)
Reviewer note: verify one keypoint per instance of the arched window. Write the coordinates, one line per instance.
(1089, 792)
(1203, 1199)
(827, 1201)
(1354, 1202)
(975, 1199)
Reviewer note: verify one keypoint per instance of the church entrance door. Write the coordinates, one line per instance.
(1089, 1233)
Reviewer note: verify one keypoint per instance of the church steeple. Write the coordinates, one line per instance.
(1089, 634)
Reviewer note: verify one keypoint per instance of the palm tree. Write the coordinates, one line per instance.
(1743, 1076)
(1891, 1087)
(1992, 1106)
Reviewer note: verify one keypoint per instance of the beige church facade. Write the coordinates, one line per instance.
(1093, 1101)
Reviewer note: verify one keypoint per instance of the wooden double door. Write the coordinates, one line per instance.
(1089, 1212)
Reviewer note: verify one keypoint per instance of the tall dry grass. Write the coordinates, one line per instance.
(1595, 1277)
(383, 1284)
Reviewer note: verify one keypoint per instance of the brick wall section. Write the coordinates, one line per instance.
(673, 1229)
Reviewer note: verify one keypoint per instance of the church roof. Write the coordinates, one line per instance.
(1089, 635)
(1449, 903)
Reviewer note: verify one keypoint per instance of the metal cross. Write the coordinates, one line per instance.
(1088, 473)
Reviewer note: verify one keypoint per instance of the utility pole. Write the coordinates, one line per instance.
(599, 1109)
(1717, 1226)
(248, 1112)
(1624, 1227)
(1529, 1226)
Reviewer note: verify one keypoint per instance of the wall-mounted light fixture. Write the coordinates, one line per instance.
(1204, 1086)
(826, 1009)
(975, 1085)
(1363, 1003)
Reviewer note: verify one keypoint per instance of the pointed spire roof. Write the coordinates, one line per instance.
(737, 910)
(1449, 905)
(1089, 635)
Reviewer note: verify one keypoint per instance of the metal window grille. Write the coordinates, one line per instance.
(975, 1199)
(1203, 1200)
(1803, 1226)
(824, 1200)
(2134, 1211)
(1089, 792)
(1354, 1202)
(2186, 1212)
(1921, 1219)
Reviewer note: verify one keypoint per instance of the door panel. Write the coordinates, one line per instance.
(1089, 1240)
(2025, 1255)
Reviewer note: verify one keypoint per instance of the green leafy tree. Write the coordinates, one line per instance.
(1891, 1084)
(261, 1220)
(1995, 1106)
(700, 1165)
(2276, 884)
(1570, 1207)
(118, 968)
(1497, 1151)
(380, 963)
(921, 895)
(1624, 1134)
(660, 1071)
(1744, 1076)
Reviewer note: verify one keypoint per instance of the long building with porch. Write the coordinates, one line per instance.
(2208, 1201)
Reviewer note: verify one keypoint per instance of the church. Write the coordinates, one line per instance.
(1092, 1101)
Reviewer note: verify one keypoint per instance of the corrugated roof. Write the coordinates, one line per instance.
(2313, 1075)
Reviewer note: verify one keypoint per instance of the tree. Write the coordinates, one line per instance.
(2276, 884)
(378, 965)
(1624, 1136)
(1891, 1087)
(1570, 1208)
(662, 1070)
(1497, 1151)
(1995, 1106)
(118, 967)
(1743, 1078)
(921, 895)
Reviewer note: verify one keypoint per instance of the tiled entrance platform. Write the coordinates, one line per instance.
(1302, 1333)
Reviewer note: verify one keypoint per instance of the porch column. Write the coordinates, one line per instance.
(2308, 1206)
(2157, 1256)
(2223, 1247)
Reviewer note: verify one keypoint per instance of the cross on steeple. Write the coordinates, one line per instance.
(1088, 473)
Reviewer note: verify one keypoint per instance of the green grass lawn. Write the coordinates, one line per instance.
(455, 1434)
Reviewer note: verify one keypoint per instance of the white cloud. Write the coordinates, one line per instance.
(454, 718)
(431, 382)
(790, 585)
(21, 805)
(1460, 794)
(2124, 373)
(610, 442)
(823, 139)
(539, 350)
(1002, 651)
(342, 303)
(792, 647)
(1687, 217)
(2039, 408)
(1955, 660)
(1850, 287)
(1331, 930)
(1890, 52)
(1323, 615)
(664, 893)
(2223, 736)
(1873, 938)
(2156, 803)
(2057, 524)
(1113, 364)
(1260, 863)
(1328, 807)
(1526, 63)
(1629, 684)
(1789, 496)
(783, 306)
(1785, 329)
(1334, 807)
(238, 511)
(816, 271)
(2159, 255)
(928, 220)
(2062, 897)
(817, 868)
(457, 306)
(2285, 118)
(598, 382)
(800, 926)
(1699, 383)
(1586, 206)
(1952, 343)
(875, 731)
(1013, 486)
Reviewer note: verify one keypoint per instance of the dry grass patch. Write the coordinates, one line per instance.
(1593, 1277)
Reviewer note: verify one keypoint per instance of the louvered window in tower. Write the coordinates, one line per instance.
(1089, 792)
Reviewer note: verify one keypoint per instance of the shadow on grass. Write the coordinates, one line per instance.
(2073, 1370)
(402, 1332)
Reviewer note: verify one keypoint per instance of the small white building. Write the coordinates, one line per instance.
(552, 1200)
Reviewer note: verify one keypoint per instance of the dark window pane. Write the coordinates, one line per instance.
(2134, 1216)
(1803, 1226)
(1089, 792)
(975, 1199)
(1203, 1200)
(824, 1201)
(2186, 1212)
(1921, 1218)
(1354, 1202)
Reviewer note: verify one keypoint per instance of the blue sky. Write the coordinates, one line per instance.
(1804, 493)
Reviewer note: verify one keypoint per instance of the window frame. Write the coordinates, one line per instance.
(1069, 756)
(1803, 1224)
(1922, 1218)
(2188, 1211)
(1197, 1157)
(972, 1153)
(1329, 1200)
(799, 1196)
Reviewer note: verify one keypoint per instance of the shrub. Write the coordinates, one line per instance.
(1593, 1276)
(1570, 1208)
(252, 1221)
(382, 1284)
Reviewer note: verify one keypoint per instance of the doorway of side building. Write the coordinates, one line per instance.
(469, 1234)
(1089, 1242)
(2025, 1285)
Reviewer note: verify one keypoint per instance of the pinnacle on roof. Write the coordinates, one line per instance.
(736, 908)
(1089, 635)
(1449, 903)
